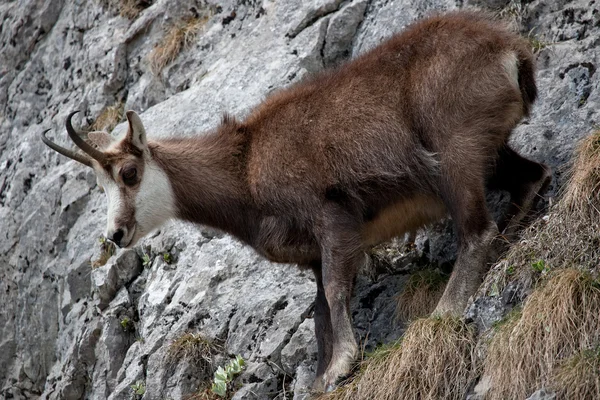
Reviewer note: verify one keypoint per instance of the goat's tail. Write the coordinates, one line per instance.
(526, 79)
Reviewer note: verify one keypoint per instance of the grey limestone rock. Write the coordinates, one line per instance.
(61, 330)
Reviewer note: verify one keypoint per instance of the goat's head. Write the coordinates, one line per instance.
(138, 190)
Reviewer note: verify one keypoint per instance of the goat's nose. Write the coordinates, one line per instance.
(117, 237)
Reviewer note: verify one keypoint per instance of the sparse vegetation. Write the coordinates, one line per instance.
(109, 118)
(107, 250)
(224, 376)
(540, 266)
(204, 394)
(435, 360)
(558, 321)
(167, 258)
(513, 12)
(536, 44)
(139, 388)
(421, 294)
(178, 37)
(146, 261)
(127, 324)
(196, 349)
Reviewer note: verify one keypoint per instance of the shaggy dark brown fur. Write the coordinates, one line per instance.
(404, 134)
(355, 155)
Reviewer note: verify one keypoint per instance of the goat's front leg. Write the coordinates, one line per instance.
(323, 330)
(341, 253)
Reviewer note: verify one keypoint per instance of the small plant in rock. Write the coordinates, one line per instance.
(540, 266)
(126, 324)
(224, 376)
(107, 250)
(139, 388)
(536, 44)
(146, 261)
(167, 258)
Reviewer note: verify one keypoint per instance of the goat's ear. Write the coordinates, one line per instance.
(136, 134)
(101, 140)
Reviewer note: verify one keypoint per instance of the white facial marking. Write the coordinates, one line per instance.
(155, 201)
(113, 195)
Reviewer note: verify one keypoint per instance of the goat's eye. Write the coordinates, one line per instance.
(129, 175)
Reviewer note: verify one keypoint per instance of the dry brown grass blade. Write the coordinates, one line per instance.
(109, 118)
(434, 361)
(204, 394)
(578, 377)
(582, 194)
(196, 349)
(178, 36)
(558, 321)
(421, 294)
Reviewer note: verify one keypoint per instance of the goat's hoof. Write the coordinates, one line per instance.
(330, 388)
(318, 385)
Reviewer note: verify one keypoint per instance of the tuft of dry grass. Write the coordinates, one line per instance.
(129, 9)
(196, 349)
(582, 195)
(559, 320)
(578, 377)
(107, 250)
(421, 294)
(435, 360)
(109, 117)
(569, 235)
(204, 394)
(178, 37)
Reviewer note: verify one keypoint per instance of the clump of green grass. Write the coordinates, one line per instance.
(127, 324)
(421, 294)
(107, 250)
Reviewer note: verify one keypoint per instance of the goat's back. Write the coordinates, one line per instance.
(381, 124)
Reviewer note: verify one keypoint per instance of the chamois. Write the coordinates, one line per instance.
(403, 135)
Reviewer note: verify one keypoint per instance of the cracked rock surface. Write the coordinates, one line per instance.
(70, 331)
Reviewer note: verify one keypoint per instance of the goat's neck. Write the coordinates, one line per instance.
(206, 176)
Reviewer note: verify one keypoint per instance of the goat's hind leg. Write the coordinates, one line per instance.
(526, 181)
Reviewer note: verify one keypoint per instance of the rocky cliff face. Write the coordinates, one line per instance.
(70, 331)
